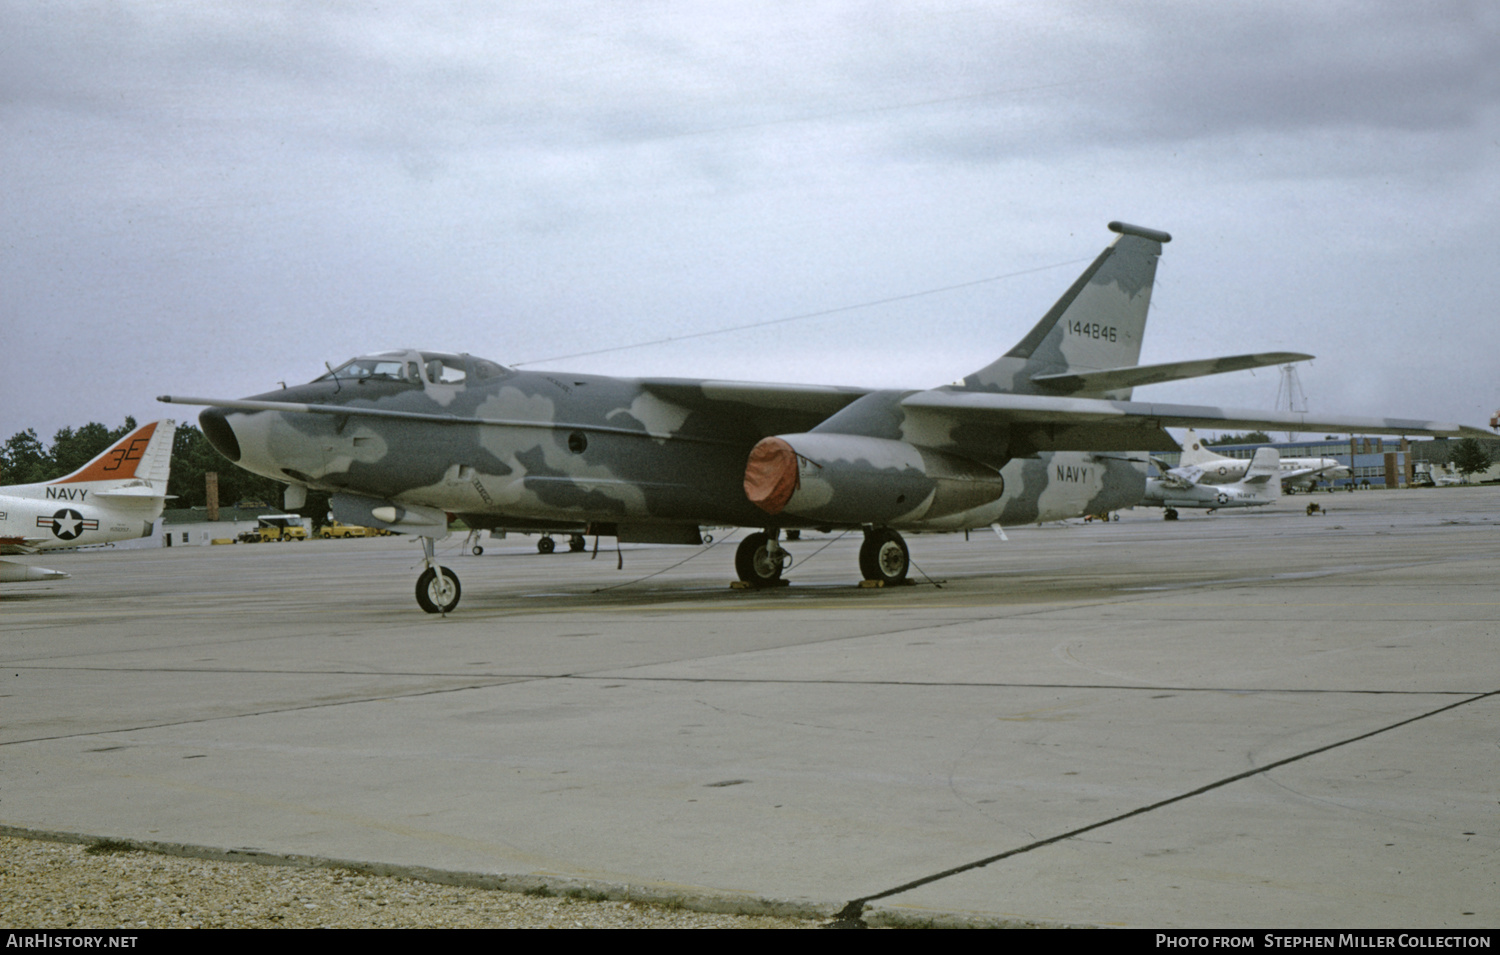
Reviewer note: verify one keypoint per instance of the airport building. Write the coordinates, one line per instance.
(191, 526)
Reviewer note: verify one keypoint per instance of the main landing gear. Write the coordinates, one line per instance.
(760, 559)
(883, 557)
(437, 587)
(546, 545)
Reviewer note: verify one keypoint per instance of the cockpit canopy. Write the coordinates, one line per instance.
(416, 368)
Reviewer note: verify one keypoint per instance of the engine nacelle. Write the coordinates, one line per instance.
(850, 479)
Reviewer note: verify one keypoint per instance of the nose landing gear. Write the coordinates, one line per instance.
(438, 589)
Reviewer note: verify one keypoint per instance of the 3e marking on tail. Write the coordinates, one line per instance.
(133, 452)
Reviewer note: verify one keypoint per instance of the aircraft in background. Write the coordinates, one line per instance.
(117, 495)
(1213, 468)
(1177, 488)
(1047, 431)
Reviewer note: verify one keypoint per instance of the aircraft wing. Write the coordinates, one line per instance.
(1178, 478)
(814, 399)
(1300, 473)
(1110, 379)
(1184, 477)
(773, 408)
(1043, 423)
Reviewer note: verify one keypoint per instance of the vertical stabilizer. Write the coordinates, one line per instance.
(1195, 452)
(1098, 324)
(1263, 477)
(143, 455)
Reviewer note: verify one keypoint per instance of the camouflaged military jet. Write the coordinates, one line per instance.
(1047, 431)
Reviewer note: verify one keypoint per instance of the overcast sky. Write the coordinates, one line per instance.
(208, 198)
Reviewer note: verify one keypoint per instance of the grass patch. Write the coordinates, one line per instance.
(107, 847)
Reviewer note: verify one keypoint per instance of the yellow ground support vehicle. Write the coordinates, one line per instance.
(338, 529)
(276, 527)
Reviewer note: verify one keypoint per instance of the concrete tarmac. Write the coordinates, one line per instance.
(1249, 719)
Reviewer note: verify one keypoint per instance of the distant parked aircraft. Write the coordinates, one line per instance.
(1295, 473)
(1179, 487)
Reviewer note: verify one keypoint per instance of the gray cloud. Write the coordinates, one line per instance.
(213, 197)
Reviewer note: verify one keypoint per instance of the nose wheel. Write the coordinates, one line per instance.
(438, 589)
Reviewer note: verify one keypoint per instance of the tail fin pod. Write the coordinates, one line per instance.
(143, 455)
(1099, 322)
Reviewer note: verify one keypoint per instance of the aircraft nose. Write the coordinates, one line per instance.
(219, 434)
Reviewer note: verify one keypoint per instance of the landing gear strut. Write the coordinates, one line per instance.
(437, 587)
(472, 543)
(883, 556)
(760, 559)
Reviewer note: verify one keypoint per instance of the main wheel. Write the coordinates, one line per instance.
(438, 592)
(546, 545)
(754, 563)
(576, 543)
(883, 556)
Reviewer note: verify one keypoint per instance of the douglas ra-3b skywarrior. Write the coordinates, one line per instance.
(1047, 431)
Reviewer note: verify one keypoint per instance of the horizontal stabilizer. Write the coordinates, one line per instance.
(1111, 379)
(136, 493)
